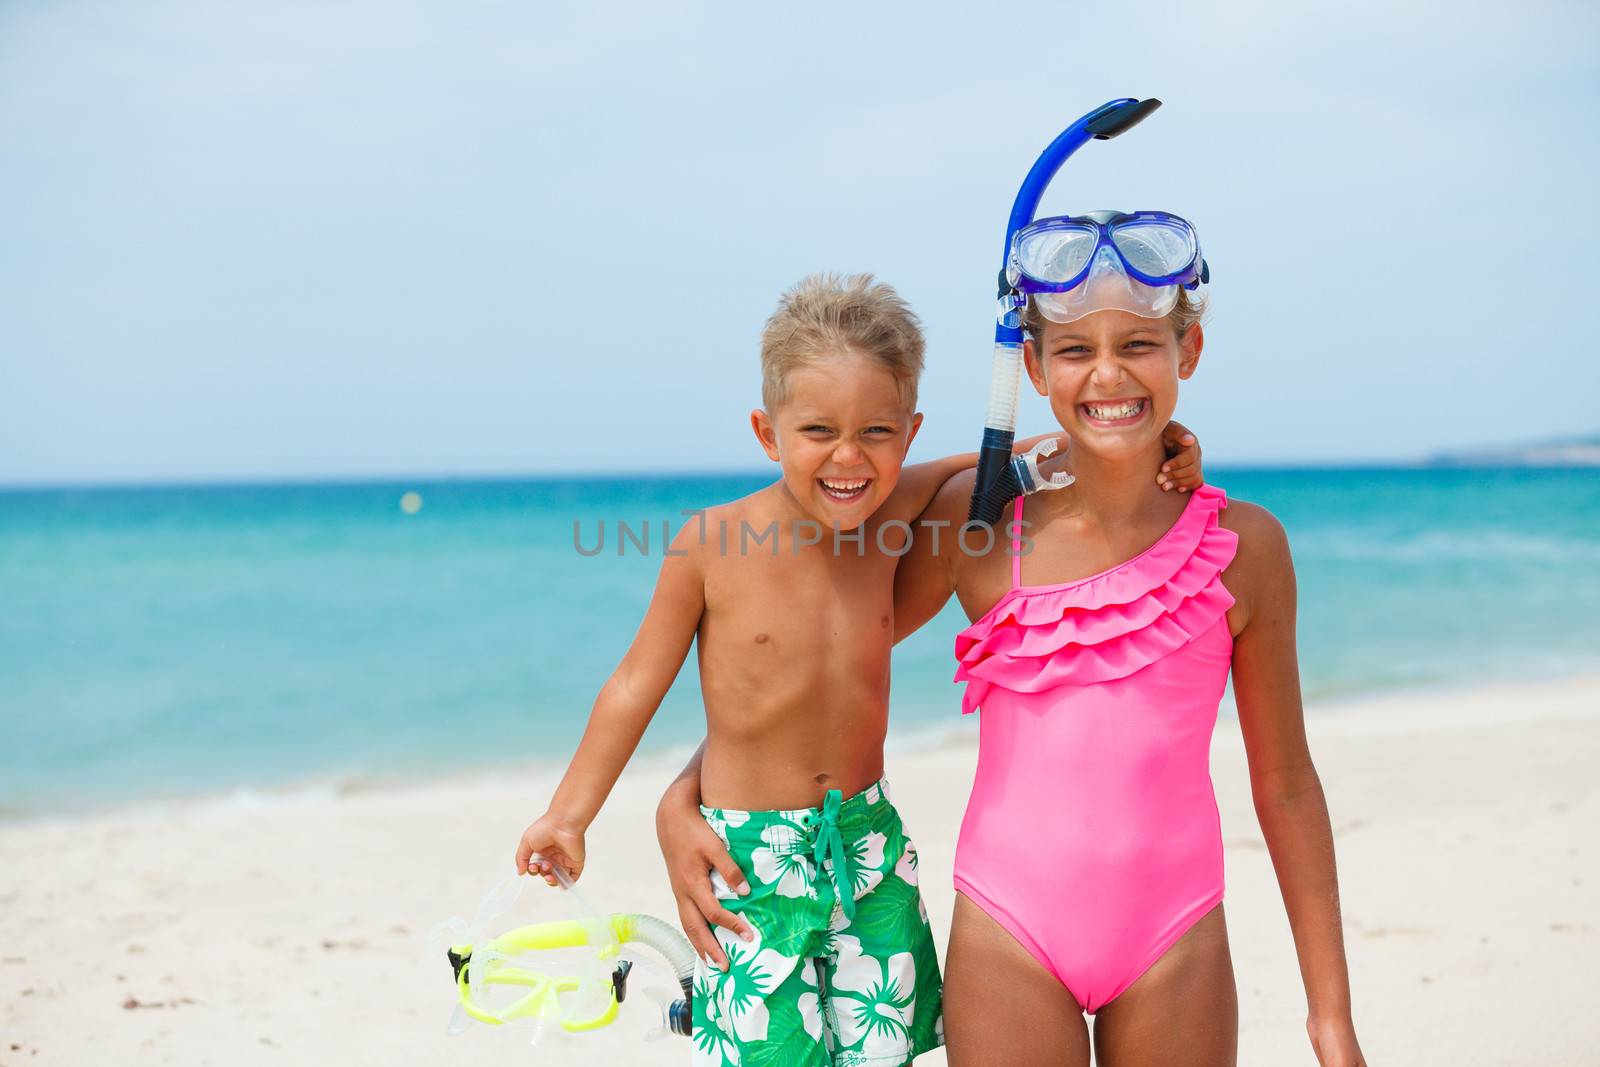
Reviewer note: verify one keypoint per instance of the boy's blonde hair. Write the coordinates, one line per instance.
(1190, 309)
(825, 314)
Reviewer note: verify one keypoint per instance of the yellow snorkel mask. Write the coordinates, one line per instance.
(567, 975)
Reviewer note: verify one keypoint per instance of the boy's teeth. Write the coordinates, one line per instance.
(845, 487)
(1116, 411)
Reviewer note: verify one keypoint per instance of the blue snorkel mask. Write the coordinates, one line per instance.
(1075, 265)
(1072, 266)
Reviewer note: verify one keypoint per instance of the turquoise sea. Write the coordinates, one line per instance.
(172, 641)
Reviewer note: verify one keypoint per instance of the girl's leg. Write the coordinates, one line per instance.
(1184, 1009)
(1000, 1005)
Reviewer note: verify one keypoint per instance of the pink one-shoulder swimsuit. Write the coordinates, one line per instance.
(1092, 832)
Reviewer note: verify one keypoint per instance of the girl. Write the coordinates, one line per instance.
(1089, 868)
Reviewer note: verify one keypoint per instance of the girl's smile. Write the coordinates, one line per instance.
(1112, 413)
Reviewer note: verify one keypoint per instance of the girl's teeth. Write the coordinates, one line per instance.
(1120, 411)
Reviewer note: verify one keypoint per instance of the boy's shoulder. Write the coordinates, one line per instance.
(704, 529)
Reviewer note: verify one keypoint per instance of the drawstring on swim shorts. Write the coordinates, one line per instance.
(830, 846)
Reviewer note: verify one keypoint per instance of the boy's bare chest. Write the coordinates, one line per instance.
(811, 605)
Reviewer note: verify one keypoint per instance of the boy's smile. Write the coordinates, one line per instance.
(841, 436)
(845, 490)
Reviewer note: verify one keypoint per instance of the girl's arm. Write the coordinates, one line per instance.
(626, 703)
(1287, 792)
(692, 851)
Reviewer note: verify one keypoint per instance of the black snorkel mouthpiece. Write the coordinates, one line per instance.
(1111, 121)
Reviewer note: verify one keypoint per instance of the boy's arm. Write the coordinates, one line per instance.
(693, 851)
(625, 706)
(925, 576)
(921, 481)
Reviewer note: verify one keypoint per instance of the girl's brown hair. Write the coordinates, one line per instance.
(1189, 309)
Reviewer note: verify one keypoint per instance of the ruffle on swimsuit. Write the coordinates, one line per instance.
(1109, 625)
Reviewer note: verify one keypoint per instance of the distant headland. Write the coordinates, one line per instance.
(1561, 452)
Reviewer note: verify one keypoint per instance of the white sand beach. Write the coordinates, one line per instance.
(292, 931)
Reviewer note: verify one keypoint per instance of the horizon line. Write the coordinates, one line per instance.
(288, 481)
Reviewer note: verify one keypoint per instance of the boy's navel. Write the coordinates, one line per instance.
(885, 622)
(761, 639)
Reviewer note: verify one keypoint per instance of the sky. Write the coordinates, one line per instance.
(295, 240)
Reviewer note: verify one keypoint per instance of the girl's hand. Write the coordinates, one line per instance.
(1334, 1041)
(1181, 471)
(550, 840)
(693, 852)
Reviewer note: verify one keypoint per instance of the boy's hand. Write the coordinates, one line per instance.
(693, 851)
(550, 840)
(1181, 471)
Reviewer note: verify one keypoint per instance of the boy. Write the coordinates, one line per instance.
(790, 592)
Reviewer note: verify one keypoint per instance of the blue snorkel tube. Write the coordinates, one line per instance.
(1002, 477)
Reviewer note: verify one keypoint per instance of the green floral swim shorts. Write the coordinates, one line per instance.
(842, 971)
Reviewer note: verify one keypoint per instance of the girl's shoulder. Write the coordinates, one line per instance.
(1261, 563)
(1251, 521)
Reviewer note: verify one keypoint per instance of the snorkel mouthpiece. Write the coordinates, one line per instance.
(1021, 476)
(1026, 467)
(998, 481)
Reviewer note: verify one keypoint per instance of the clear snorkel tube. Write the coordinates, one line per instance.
(1001, 477)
